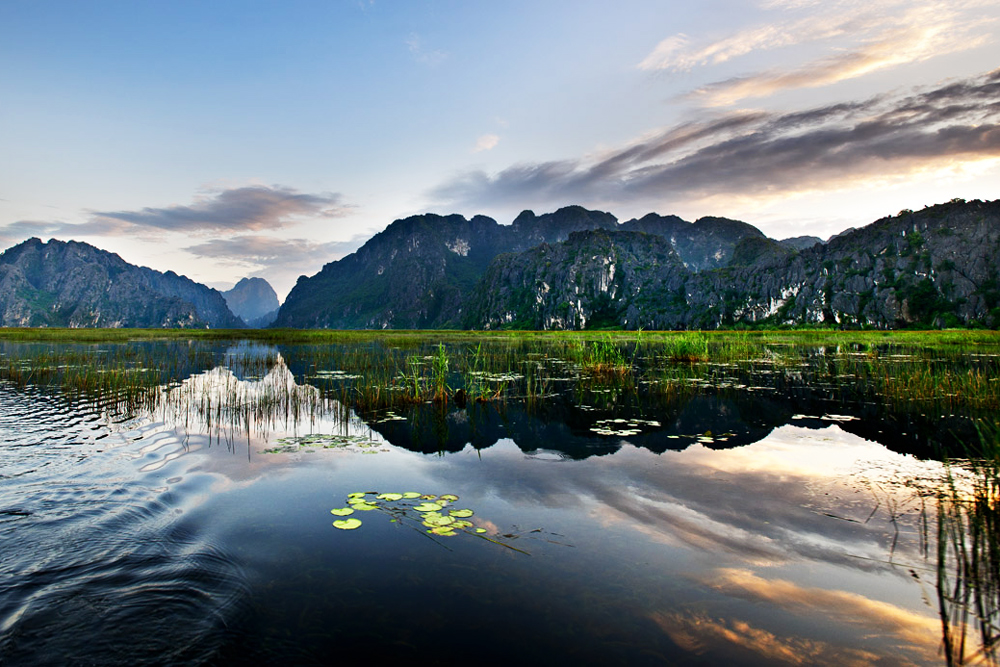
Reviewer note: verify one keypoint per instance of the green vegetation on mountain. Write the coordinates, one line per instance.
(72, 284)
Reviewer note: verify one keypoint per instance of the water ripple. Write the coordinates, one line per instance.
(99, 561)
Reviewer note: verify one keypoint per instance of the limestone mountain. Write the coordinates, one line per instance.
(254, 301)
(73, 284)
(420, 272)
(801, 242)
(706, 243)
(936, 267)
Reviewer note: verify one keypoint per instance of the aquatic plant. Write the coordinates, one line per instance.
(968, 554)
(413, 509)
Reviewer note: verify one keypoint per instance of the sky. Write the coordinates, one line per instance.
(229, 139)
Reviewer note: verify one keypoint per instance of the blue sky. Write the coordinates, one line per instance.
(229, 139)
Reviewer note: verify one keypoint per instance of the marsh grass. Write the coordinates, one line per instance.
(373, 372)
(968, 555)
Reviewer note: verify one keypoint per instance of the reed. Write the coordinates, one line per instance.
(968, 555)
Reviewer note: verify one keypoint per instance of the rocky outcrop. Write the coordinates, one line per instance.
(72, 284)
(706, 243)
(595, 279)
(937, 267)
(801, 242)
(422, 271)
(419, 272)
(254, 301)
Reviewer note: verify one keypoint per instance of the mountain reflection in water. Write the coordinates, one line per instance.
(756, 523)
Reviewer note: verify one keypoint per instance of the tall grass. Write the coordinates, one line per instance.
(968, 555)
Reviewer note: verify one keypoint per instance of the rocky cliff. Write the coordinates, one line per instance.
(422, 271)
(254, 301)
(72, 284)
(937, 267)
(419, 272)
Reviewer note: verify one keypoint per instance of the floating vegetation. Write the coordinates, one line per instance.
(433, 518)
(389, 417)
(313, 441)
(622, 427)
(334, 375)
(232, 386)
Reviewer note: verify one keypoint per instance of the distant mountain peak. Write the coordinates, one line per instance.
(253, 300)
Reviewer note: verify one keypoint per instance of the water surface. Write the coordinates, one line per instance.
(756, 517)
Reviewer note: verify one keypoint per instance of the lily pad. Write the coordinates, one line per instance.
(438, 521)
(347, 524)
(461, 514)
(343, 511)
(442, 530)
(390, 496)
(428, 507)
(365, 507)
(357, 494)
(450, 497)
(410, 495)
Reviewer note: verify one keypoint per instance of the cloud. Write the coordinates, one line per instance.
(243, 209)
(910, 45)
(859, 38)
(421, 54)
(267, 251)
(486, 142)
(18, 231)
(699, 633)
(761, 154)
(909, 630)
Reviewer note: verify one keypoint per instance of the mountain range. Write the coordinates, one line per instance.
(570, 269)
(577, 269)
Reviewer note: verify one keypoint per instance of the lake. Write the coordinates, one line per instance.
(749, 500)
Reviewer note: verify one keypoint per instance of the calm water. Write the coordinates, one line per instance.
(749, 524)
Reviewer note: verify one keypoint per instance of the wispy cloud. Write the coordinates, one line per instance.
(280, 261)
(19, 231)
(267, 251)
(486, 142)
(421, 53)
(244, 209)
(859, 39)
(911, 631)
(761, 154)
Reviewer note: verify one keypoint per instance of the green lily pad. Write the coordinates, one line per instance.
(438, 521)
(428, 507)
(461, 523)
(428, 496)
(480, 530)
(450, 497)
(442, 530)
(365, 507)
(410, 495)
(461, 514)
(347, 524)
(357, 494)
(343, 511)
(390, 496)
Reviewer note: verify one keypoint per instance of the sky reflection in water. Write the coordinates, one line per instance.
(804, 547)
